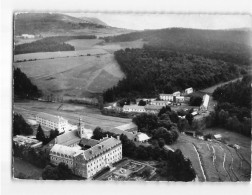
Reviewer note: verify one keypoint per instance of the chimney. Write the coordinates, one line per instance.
(90, 151)
(118, 137)
(106, 135)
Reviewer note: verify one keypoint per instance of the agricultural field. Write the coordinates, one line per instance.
(73, 76)
(58, 54)
(83, 44)
(216, 161)
(89, 115)
(112, 47)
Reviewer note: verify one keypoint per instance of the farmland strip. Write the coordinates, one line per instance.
(200, 162)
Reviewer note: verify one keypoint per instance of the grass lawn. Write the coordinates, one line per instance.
(26, 169)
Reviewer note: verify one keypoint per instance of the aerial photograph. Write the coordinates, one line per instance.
(131, 97)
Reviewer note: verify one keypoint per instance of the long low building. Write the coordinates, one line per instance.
(133, 108)
(131, 131)
(51, 122)
(153, 109)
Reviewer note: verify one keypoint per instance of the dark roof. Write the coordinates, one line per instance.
(103, 146)
(115, 130)
(89, 142)
(153, 107)
(68, 138)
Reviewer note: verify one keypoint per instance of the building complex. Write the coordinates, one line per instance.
(85, 157)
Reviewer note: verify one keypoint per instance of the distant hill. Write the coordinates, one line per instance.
(36, 23)
(93, 20)
(228, 45)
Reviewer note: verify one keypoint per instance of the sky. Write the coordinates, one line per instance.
(157, 21)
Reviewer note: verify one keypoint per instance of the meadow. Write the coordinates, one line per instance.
(73, 76)
(89, 115)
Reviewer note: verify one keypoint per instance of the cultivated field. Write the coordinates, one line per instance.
(89, 115)
(58, 54)
(112, 47)
(215, 161)
(73, 76)
(83, 44)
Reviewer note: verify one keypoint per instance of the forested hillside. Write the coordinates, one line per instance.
(150, 72)
(233, 110)
(228, 45)
(23, 87)
(49, 44)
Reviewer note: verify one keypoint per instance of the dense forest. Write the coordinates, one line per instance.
(228, 45)
(233, 110)
(20, 126)
(23, 87)
(150, 72)
(49, 44)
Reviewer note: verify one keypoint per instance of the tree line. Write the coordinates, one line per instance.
(23, 87)
(150, 72)
(233, 110)
(49, 44)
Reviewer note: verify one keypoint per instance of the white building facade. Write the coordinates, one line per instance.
(86, 163)
(168, 97)
(133, 108)
(52, 122)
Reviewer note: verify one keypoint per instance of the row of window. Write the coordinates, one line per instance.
(65, 161)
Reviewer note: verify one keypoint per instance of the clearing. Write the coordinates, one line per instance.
(73, 76)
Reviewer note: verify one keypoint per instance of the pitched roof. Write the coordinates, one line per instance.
(65, 150)
(68, 138)
(153, 107)
(130, 135)
(88, 142)
(55, 119)
(135, 107)
(103, 146)
(142, 137)
(126, 127)
(163, 94)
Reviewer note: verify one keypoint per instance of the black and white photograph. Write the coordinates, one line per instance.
(119, 97)
(99, 97)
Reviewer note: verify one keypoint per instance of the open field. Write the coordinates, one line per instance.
(215, 161)
(73, 76)
(89, 115)
(26, 169)
(111, 47)
(83, 44)
(58, 54)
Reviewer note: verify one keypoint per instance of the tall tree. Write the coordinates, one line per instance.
(40, 134)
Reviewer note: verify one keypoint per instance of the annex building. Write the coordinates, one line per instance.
(50, 122)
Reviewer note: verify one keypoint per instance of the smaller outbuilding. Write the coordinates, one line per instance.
(141, 137)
